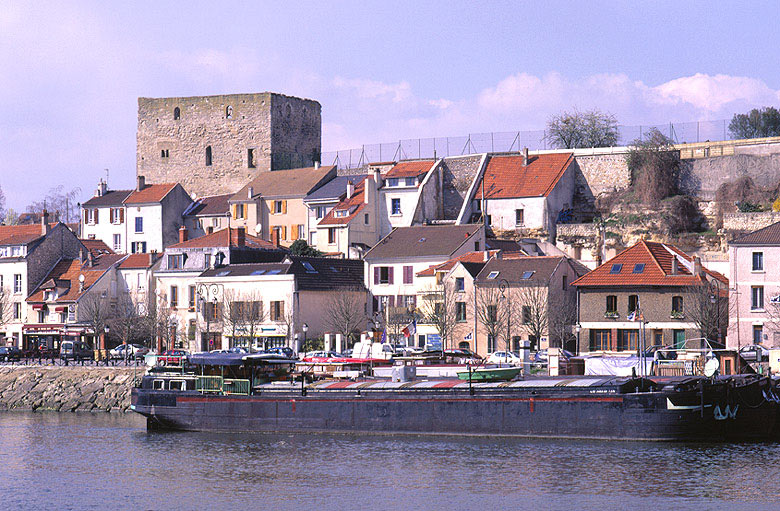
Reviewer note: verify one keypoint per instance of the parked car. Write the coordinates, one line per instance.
(320, 356)
(504, 357)
(128, 351)
(9, 353)
(282, 350)
(541, 356)
(754, 353)
(172, 357)
(463, 356)
(76, 350)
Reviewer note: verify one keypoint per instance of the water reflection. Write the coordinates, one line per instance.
(61, 461)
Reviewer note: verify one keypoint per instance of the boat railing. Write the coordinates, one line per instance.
(220, 385)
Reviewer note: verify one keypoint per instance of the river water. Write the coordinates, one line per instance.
(109, 461)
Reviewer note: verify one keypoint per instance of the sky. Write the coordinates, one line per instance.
(71, 72)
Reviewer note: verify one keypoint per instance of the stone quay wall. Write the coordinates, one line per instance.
(66, 389)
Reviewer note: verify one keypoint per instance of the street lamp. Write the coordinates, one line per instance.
(104, 344)
(305, 329)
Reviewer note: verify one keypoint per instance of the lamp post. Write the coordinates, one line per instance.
(305, 329)
(502, 287)
(104, 343)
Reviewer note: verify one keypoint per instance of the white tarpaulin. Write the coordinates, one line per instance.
(615, 366)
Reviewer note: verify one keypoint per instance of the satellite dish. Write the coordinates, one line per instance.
(258, 228)
(711, 367)
(82, 278)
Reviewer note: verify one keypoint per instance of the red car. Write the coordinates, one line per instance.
(172, 357)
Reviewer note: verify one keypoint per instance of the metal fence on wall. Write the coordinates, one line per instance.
(508, 141)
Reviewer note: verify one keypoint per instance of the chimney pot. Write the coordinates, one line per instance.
(250, 193)
(525, 156)
(675, 268)
(182, 234)
(697, 269)
(350, 189)
(316, 165)
(141, 183)
(45, 223)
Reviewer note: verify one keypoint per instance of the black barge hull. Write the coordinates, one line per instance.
(689, 410)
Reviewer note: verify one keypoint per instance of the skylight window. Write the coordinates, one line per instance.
(309, 267)
(616, 268)
(258, 272)
(421, 240)
(273, 272)
(492, 275)
(527, 275)
(639, 268)
(223, 273)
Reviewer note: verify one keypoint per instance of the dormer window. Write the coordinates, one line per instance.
(393, 181)
(410, 181)
(341, 213)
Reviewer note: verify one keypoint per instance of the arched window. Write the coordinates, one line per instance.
(229, 112)
(176, 114)
(208, 155)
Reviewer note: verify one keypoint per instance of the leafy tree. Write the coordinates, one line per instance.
(575, 129)
(763, 122)
(655, 167)
(301, 248)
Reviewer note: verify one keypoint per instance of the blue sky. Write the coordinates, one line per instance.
(383, 71)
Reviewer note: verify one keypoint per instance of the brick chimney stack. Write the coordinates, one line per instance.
(45, 223)
(697, 269)
(182, 234)
(525, 157)
(240, 237)
(141, 183)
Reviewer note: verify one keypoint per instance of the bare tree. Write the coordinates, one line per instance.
(346, 312)
(63, 204)
(562, 318)
(254, 314)
(707, 306)
(232, 313)
(437, 308)
(533, 299)
(128, 318)
(287, 318)
(6, 307)
(490, 311)
(575, 129)
(94, 309)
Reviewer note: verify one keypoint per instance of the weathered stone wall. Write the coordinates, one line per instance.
(60, 243)
(282, 131)
(603, 172)
(739, 223)
(702, 177)
(458, 173)
(66, 389)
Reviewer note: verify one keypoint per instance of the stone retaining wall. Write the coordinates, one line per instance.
(66, 389)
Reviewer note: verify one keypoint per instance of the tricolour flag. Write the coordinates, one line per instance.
(410, 329)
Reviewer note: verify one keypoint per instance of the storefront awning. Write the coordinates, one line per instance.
(61, 308)
(37, 306)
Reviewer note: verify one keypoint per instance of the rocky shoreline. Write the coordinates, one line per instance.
(66, 389)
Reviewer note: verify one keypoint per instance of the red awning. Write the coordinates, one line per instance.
(37, 306)
(60, 309)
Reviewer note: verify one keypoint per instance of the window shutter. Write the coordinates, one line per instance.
(391, 301)
(400, 301)
(273, 207)
(95, 214)
(376, 274)
(414, 301)
(284, 207)
(121, 216)
(86, 216)
(234, 210)
(295, 232)
(284, 232)
(390, 275)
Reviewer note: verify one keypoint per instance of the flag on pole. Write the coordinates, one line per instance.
(410, 329)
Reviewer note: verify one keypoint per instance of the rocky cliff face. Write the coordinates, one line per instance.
(66, 389)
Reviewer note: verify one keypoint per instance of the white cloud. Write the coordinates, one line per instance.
(714, 93)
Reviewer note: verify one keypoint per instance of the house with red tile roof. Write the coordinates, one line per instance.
(522, 194)
(401, 194)
(656, 285)
(27, 254)
(134, 221)
(755, 291)
(207, 215)
(61, 306)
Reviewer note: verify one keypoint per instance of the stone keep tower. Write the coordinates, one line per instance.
(215, 144)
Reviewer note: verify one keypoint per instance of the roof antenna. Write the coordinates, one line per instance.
(106, 176)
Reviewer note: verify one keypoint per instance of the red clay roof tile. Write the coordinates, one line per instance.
(506, 177)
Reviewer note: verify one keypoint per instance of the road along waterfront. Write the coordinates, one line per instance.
(102, 461)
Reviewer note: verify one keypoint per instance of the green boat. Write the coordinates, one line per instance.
(491, 374)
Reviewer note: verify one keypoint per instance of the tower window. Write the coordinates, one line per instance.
(208, 156)
(229, 112)
(250, 158)
(176, 114)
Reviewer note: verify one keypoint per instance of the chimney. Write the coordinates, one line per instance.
(182, 234)
(350, 189)
(697, 270)
(316, 165)
(275, 237)
(240, 236)
(101, 189)
(141, 183)
(377, 178)
(45, 223)
(90, 259)
(525, 157)
(250, 193)
(675, 266)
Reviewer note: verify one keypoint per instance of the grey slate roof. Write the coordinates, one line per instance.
(769, 235)
(423, 240)
(110, 198)
(335, 188)
(512, 270)
(209, 206)
(311, 273)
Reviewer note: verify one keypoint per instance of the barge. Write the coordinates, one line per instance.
(691, 408)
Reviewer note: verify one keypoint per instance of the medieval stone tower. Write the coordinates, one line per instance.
(215, 144)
